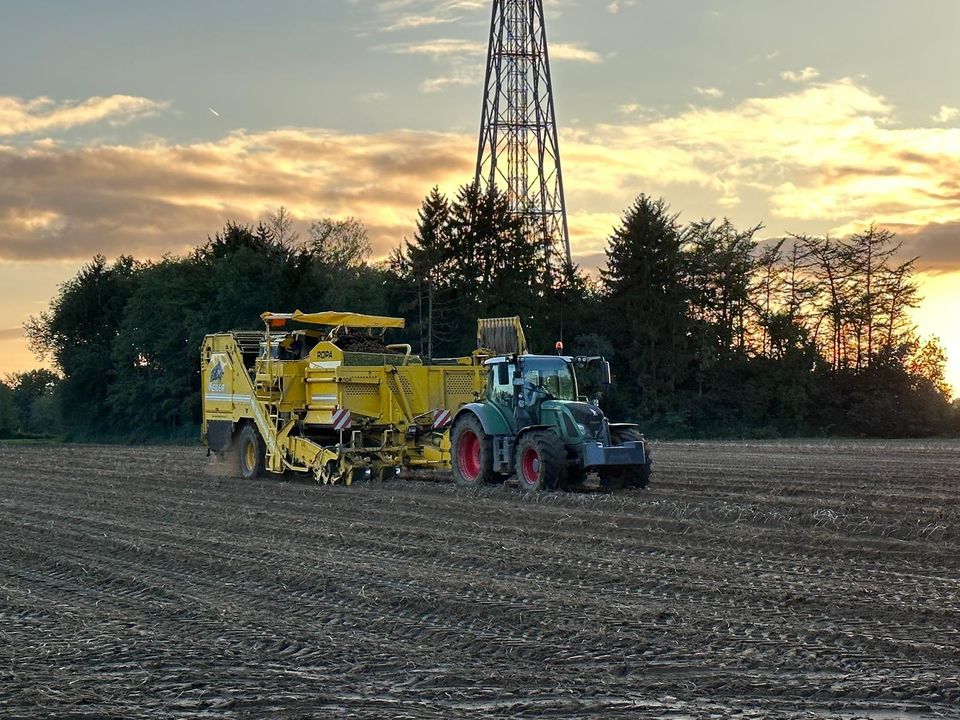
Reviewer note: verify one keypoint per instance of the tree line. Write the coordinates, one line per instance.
(710, 332)
(799, 336)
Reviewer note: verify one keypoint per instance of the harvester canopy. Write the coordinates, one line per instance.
(335, 319)
(504, 336)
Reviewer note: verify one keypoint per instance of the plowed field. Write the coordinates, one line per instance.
(786, 580)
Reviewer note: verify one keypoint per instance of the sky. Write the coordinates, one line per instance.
(141, 127)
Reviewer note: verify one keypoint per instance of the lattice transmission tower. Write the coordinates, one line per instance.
(519, 151)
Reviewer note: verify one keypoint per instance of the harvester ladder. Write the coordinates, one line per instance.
(273, 413)
(266, 411)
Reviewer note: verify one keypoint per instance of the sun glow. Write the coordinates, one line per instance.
(937, 316)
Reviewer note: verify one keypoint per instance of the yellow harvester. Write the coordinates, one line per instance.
(323, 393)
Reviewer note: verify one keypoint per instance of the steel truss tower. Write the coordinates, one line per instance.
(519, 151)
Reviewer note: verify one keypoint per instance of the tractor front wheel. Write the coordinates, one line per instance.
(539, 461)
(471, 453)
(252, 453)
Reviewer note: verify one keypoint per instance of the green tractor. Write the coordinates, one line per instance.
(534, 422)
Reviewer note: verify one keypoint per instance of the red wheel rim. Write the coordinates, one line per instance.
(530, 466)
(468, 455)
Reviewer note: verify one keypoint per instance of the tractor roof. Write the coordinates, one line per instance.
(336, 319)
(528, 356)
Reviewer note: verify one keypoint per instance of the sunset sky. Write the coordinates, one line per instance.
(141, 127)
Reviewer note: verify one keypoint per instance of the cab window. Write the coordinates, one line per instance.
(501, 393)
(554, 375)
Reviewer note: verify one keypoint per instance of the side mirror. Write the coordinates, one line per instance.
(607, 377)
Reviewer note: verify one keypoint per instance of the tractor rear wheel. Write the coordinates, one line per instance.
(539, 461)
(471, 453)
(637, 476)
(252, 453)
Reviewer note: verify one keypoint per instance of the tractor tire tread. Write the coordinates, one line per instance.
(550, 451)
(487, 475)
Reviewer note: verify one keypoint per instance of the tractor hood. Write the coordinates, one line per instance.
(590, 416)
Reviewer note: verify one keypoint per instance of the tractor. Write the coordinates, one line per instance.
(533, 421)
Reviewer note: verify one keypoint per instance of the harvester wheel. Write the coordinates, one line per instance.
(252, 453)
(539, 461)
(471, 453)
(635, 476)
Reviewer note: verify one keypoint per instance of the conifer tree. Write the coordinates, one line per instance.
(646, 299)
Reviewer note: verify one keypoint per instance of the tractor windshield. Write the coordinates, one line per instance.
(554, 374)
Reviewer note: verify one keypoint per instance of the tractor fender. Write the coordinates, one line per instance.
(491, 420)
(531, 428)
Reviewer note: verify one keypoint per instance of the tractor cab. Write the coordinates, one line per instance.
(536, 420)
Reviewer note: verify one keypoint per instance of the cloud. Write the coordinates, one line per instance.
(463, 59)
(460, 75)
(573, 52)
(710, 92)
(443, 48)
(826, 153)
(617, 5)
(946, 114)
(372, 97)
(11, 334)
(801, 76)
(43, 115)
(937, 245)
(438, 48)
(409, 22)
(399, 16)
(69, 202)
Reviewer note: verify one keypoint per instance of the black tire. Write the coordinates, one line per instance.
(471, 453)
(637, 476)
(539, 461)
(252, 453)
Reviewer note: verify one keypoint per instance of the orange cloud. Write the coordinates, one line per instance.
(827, 153)
(58, 202)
